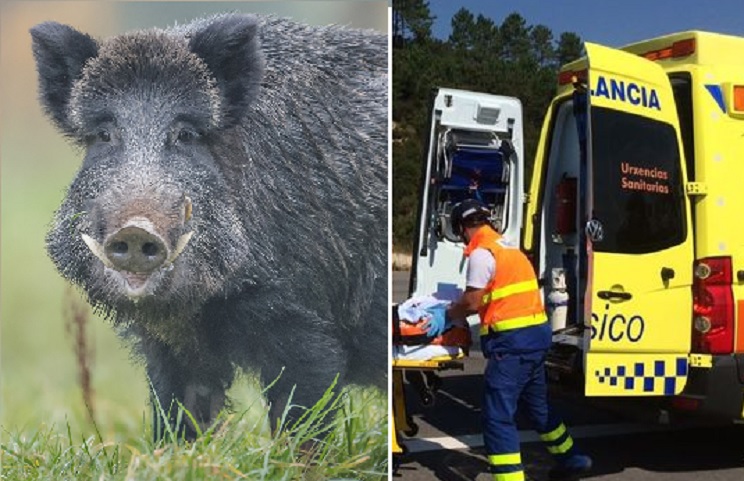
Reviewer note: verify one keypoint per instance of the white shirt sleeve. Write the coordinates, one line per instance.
(481, 268)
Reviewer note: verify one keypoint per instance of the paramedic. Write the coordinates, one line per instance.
(501, 287)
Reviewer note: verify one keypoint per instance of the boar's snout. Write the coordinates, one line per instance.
(136, 252)
(135, 249)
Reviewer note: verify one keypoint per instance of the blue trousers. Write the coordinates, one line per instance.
(513, 380)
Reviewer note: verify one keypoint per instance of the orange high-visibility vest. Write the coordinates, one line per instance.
(512, 299)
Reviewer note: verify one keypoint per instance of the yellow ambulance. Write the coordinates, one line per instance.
(635, 221)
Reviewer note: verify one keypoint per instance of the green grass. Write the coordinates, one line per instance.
(352, 445)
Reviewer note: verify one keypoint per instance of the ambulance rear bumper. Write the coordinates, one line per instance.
(719, 389)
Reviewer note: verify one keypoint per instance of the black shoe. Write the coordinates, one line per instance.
(572, 468)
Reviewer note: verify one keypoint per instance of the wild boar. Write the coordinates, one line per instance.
(231, 208)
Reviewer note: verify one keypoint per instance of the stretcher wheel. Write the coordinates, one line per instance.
(412, 430)
(427, 398)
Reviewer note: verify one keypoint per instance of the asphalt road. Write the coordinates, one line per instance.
(625, 440)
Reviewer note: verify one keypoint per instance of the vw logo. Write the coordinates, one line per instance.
(594, 230)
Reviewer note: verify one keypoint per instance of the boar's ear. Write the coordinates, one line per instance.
(60, 52)
(230, 48)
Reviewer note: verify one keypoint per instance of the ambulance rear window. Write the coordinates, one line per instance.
(638, 191)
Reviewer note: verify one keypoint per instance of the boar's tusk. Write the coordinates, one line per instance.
(180, 246)
(187, 209)
(97, 250)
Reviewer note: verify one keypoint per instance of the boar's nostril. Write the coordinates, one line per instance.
(135, 249)
(150, 249)
(119, 247)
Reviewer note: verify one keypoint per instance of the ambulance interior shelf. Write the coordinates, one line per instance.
(469, 165)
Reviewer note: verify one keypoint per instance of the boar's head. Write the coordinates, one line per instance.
(151, 219)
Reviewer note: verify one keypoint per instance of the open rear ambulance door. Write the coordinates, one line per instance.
(474, 151)
(638, 235)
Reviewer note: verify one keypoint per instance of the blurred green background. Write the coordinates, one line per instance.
(38, 371)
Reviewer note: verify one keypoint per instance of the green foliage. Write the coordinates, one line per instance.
(569, 47)
(352, 445)
(512, 58)
(412, 20)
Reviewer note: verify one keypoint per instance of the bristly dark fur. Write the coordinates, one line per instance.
(284, 159)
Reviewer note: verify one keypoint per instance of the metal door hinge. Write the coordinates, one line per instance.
(701, 360)
(696, 188)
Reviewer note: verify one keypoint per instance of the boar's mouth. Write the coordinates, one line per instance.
(136, 254)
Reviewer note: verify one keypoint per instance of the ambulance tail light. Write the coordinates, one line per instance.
(713, 306)
(683, 48)
(572, 76)
(680, 48)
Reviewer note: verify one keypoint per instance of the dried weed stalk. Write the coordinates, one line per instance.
(77, 315)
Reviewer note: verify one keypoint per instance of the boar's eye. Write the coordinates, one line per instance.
(186, 135)
(104, 135)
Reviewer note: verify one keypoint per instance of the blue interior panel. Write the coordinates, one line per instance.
(476, 173)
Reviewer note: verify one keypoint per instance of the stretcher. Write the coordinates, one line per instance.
(422, 375)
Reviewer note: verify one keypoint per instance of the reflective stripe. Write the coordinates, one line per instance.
(515, 323)
(514, 476)
(511, 289)
(501, 459)
(561, 448)
(554, 434)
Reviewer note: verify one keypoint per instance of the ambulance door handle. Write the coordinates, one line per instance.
(667, 273)
(614, 295)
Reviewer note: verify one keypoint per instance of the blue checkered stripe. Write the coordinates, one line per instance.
(646, 376)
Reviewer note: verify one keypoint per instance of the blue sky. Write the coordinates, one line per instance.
(611, 23)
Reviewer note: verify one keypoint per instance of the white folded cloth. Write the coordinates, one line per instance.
(414, 309)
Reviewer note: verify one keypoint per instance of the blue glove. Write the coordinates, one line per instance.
(437, 321)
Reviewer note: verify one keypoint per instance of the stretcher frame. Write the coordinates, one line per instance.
(401, 422)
